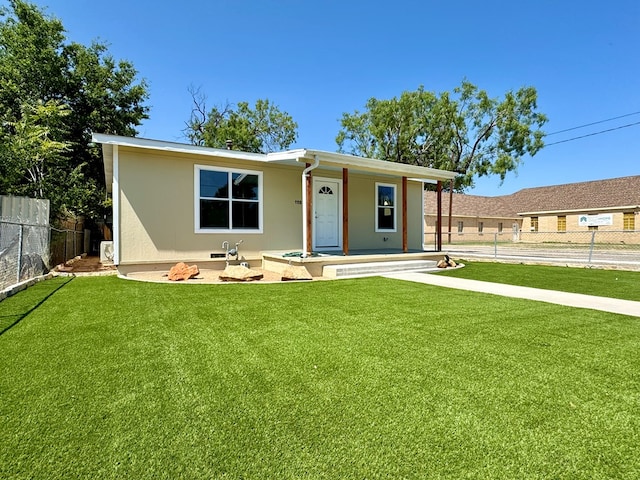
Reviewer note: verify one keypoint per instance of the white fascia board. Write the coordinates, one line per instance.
(341, 160)
(107, 160)
(295, 155)
(581, 210)
(135, 142)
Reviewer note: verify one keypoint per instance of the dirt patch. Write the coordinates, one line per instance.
(205, 276)
(86, 265)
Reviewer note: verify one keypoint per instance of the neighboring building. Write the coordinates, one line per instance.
(611, 205)
(175, 202)
(473, 217)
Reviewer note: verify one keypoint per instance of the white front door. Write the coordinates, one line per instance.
(326, 207)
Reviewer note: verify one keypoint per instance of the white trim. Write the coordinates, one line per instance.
(196, 198)
(330, 160)
(394, 207)
(314, 228)
(115, 205)
(581, 210)
(137, 142)
(341, 160)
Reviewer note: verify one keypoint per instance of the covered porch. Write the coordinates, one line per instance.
(399, 205)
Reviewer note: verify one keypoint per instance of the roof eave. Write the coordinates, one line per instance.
(341, 160)
(580, 210)
(162, 145)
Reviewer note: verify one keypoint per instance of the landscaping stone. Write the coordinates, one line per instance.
(239, 273)
(295, 272)
(181, 271)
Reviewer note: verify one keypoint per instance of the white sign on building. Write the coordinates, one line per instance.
(595, 220)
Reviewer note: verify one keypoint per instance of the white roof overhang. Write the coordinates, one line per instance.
(361, 164)
(327, 160)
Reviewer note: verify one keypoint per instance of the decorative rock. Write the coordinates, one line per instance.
(239, 273)
(447, 262)
(295, 272)
(182, 271)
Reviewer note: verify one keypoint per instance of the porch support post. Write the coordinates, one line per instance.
(450, 209)
(439, 217)
(405, 239)
(309, 207)
(345, 211)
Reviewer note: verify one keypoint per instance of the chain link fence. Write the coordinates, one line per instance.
(29, 247)
(606, 248)
(28, 250)
(24, 252)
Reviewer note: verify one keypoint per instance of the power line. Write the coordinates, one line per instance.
(590, 124)
(592, 134)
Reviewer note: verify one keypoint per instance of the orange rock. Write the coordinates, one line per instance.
(182, 271)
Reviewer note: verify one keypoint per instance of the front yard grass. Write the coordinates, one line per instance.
(621, 284)
(364, 378)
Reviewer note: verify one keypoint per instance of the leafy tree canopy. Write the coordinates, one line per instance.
(53, 94)
(466, 131)
(261, 129)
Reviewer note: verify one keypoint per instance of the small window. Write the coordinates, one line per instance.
(628, 221)
(562, 223)
(499, 227)
(534, 224)
(593, 228)
(228, 200)
(385, 207)
(460, 227)
(480, 227)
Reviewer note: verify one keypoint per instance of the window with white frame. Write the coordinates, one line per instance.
(228, 200)
(385, 207)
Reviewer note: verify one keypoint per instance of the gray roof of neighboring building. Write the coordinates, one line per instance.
(583, 196)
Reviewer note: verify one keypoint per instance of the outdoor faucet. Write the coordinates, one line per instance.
(225, 245)
(234, 251)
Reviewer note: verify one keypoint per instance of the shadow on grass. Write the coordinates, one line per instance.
(35, 293)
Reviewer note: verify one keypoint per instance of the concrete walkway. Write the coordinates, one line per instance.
(605, 304)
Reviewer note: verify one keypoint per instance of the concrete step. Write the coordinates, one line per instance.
(376, 268)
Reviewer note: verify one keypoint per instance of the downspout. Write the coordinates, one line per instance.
(305, 232)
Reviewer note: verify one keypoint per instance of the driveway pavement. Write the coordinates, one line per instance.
(605, 304)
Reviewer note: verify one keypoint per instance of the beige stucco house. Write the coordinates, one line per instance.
(176, 202)
(610, 205)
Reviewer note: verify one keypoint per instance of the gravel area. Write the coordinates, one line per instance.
(89, 265)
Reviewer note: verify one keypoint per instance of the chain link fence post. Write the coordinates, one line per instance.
(19, 268)
(593, 242)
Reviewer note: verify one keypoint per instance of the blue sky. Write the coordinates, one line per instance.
(316, 60)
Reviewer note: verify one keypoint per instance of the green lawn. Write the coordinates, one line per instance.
(366, 378)
(605, 283)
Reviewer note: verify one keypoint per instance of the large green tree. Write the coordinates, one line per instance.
(53, 95)
(261, 129)
(465, 131)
